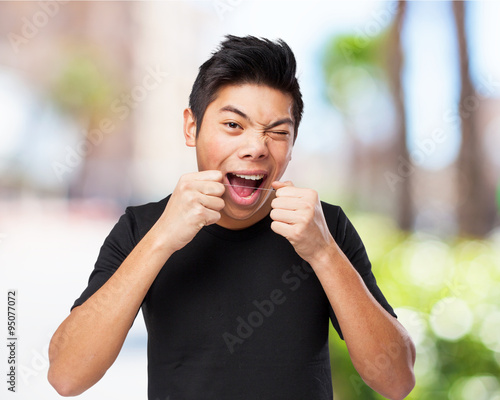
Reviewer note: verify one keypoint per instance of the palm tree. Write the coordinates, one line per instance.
(474, 218)
(382, 57)
(405, 211)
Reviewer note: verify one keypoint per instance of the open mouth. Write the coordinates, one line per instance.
(245, 186)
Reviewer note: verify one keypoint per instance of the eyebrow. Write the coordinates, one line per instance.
(272, 125)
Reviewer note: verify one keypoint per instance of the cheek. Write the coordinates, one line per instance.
(283, 155)
(212, 152)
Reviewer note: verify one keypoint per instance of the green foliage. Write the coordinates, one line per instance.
(446, 293)
(83, 86)
(353, 49)
(349, 62)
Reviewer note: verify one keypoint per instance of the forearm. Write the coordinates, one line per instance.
(89, 340)
(380, 348)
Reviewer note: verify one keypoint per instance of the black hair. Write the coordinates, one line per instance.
(243, 60)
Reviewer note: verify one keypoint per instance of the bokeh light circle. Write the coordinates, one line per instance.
(429, 263)
(451, 318)
(484, 387)
(414, 323)
(490, 331)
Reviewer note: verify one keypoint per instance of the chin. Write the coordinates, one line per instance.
(241, 213)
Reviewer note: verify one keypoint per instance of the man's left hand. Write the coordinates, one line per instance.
(297, 215)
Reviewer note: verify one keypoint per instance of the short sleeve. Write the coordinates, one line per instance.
(116, 247)
(350, 243)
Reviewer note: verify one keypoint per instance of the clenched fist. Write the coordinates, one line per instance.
(297, 215)
(195, 202)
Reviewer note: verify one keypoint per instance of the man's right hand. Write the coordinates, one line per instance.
(195, 202)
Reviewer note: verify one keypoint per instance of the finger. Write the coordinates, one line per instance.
(284, 216)
(211, 188)
(211, 217)
(291, 191)
(208, 182)
(208, 175)
(285, 203)
(211, 182)
(212, 202)
(282, 228)
(278, 185)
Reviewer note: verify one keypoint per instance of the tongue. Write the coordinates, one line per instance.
(243, 187)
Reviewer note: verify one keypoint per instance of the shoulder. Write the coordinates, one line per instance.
(144, 216)
(335, 217)
(341, 228)
(331, 210)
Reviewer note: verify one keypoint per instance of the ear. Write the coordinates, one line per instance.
(189, 128)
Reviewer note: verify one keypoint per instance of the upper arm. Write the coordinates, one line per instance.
(116, 247)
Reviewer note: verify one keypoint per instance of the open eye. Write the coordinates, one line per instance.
(232, 125)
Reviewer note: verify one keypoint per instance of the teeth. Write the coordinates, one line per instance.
(251, 177)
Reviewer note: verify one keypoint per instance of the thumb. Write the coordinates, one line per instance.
(278, 185)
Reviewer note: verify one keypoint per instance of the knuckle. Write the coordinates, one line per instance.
(299, 230)
(184, 185)
(190, 198)
(309, 205)
(198, 211)
(312, 193)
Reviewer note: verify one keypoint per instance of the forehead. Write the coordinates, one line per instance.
(254, 100)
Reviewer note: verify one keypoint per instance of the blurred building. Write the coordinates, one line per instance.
(128, 150)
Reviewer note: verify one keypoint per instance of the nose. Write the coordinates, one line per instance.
(254, 146)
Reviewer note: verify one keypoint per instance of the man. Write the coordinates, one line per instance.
(237, 273)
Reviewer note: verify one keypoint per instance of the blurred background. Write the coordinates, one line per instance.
(401, 128)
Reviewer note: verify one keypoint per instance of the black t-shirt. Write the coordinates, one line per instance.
(235, 314)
